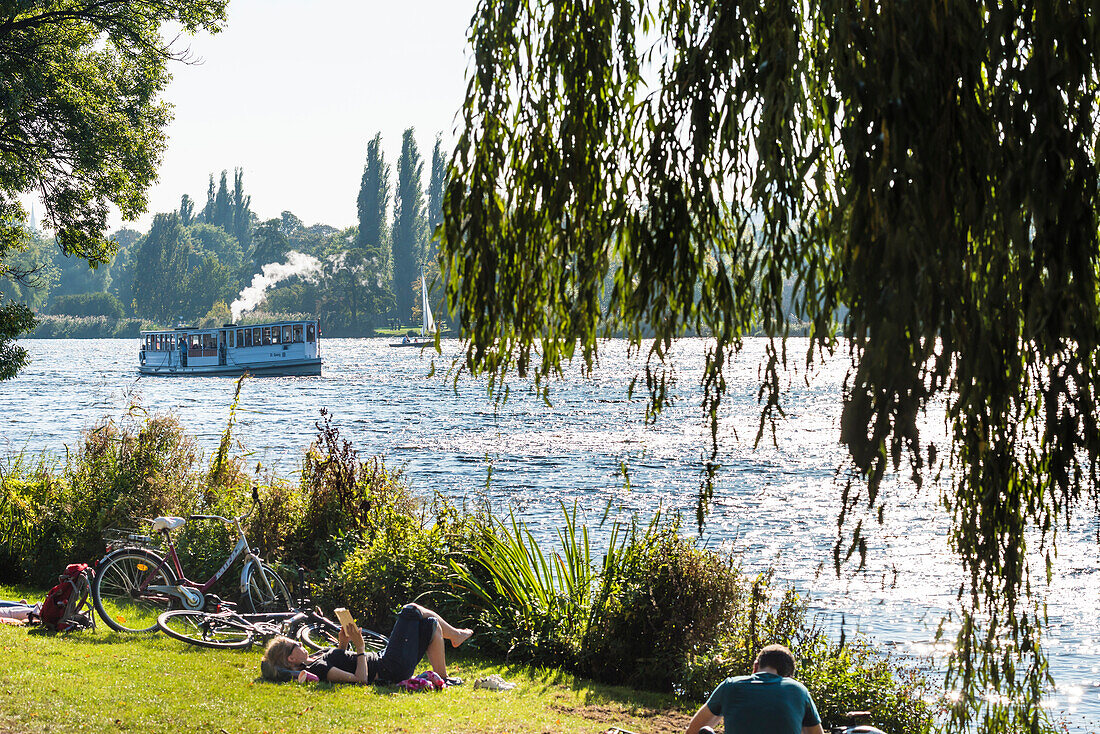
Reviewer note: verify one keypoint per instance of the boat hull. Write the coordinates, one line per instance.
(296, 368)
(414, 343)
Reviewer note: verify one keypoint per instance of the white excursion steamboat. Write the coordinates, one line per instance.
(278, 348)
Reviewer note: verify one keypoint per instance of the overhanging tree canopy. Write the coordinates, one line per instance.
(81, 126)
(930, 167)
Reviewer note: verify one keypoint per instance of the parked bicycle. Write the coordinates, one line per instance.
(224, 627)
(136, 581)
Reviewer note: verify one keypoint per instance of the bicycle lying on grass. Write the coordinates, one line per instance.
(135, 581)
(226, 628)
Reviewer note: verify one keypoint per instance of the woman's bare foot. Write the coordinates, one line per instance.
(460, 636)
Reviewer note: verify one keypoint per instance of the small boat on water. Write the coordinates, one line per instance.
(276, 348)
(427, 326)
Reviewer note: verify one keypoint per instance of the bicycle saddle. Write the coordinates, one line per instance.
(167, 523)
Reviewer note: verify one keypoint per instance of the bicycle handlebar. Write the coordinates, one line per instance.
(228, 521)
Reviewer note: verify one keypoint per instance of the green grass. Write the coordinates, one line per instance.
(103, 682)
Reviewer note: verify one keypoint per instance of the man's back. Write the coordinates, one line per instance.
(763, 703)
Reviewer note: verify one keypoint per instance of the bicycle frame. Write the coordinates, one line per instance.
(191, 594)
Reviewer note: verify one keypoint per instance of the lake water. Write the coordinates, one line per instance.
(776, 504)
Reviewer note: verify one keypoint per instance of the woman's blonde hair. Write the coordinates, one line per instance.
(278, 650)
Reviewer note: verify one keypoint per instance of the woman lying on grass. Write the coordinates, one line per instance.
(417, 631)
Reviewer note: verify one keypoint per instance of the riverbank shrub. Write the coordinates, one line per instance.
(88, 304)
(141, 467)
(663, 600)
(86, 327)
(856, 677)
(32, 528)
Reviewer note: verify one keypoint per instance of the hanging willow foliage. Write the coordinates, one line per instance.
(924, 169)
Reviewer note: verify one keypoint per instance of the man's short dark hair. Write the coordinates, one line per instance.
(778, 658)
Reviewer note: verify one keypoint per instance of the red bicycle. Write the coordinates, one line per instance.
(136, 582)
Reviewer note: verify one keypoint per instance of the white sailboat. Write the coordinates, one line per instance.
(427, 323)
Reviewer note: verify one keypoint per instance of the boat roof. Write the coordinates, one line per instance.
(189, 329)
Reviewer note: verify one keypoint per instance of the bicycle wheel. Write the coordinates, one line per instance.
(205, 629)
(125, 591)
(258, 598)
(319, 636)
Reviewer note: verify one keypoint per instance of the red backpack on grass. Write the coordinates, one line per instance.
(66, 605)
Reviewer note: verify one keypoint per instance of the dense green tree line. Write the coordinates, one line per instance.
(193, 263)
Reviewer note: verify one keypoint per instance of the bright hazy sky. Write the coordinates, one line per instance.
(292, 90)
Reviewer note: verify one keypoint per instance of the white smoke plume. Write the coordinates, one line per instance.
(297, 263)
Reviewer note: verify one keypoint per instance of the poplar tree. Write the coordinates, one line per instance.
(242, 212)
(435, 198)
(373, 205)
(924, 173)
(187, 210)
(223, 208)
(208, 210)
(408, 226)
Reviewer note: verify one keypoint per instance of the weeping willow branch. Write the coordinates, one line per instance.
(920, 176)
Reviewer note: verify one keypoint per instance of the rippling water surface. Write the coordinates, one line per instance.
(777, 504)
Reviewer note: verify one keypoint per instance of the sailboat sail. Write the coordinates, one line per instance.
(428, 327)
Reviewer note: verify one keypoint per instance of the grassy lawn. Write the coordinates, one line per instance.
(102, 682)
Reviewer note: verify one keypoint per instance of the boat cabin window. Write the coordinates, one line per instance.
(297, 333)
(310, 337)
(240, 337)
(248, 337)
(257, 339)
(275, 335)
(286, 335)
(266, 336)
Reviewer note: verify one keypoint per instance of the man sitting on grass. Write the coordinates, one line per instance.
(769, 700)
(417, 631)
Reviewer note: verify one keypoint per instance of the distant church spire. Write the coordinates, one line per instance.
(34, 226)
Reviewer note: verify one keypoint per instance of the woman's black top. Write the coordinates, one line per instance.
(325, 661)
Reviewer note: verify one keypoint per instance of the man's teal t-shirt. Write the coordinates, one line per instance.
(763, 703)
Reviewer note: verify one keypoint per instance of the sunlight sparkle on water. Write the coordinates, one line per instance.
(776, 504)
